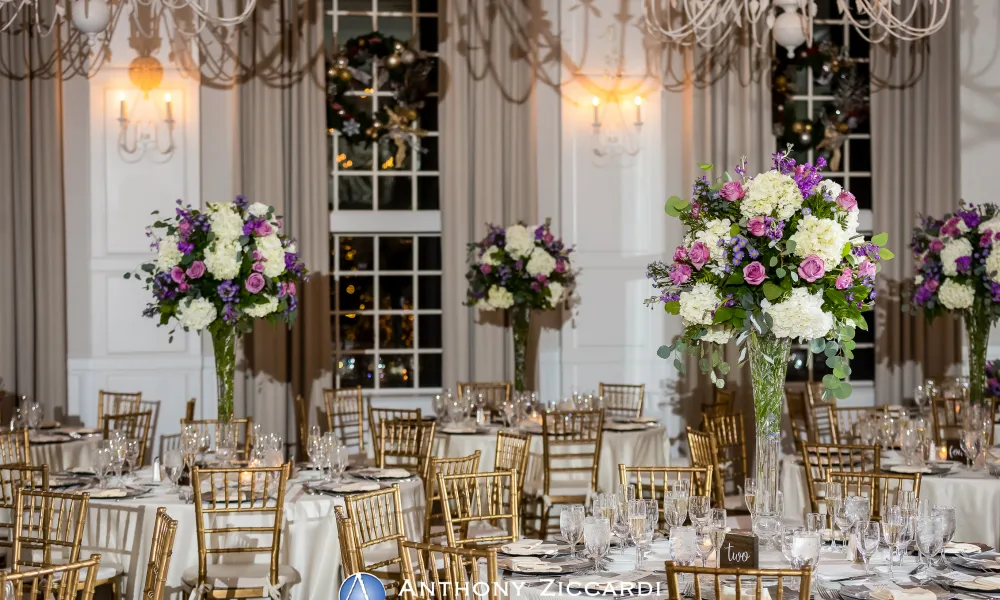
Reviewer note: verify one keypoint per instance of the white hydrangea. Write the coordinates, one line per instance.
(822, 237)
(829, 189)
(168, 256)
(800, 316)
(274, 255)
(851, 226)
(227, 225)
(520, 241)
(487, 257)
(715, 230)
(991, 225)
(196, 314)
(698, 304)
(771, 194)
(258, 209)
(499, 297)
(956, 296)
(952, 251)
(222, 259)
(718, 334)
(918, 279)
(291, 248)
(556, 290)
(262, 310)
(540, 263)
(993, 265)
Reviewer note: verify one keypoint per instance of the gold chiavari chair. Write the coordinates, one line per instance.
(731, 445)
(494, 393)
(189, 410)
(135, 426)
(571, 457)
(377, 520)
(73, 581)
(433, 511)
(344, 416)
(704, 455)
(488, 501)
(462, 571)
(652, 482)
(49, 523)
(405, 443)
(820, 459)
(749, 583)
(512, 452)
(15, 448)
(211, 426)
(815, 392)
(301, 428)
(377, 415)
(824, 427)
(845, 420)
(161, 547)
(168, 443)
(13, 478)
(622, 399)
(348, 545)
(223, 501)
(882, 489)
(112, 403)
(798, 413)
(721, 405)
(153, 406)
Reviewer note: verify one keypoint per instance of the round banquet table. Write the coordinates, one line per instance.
(120, 530)
(646, 447)
(61, 452)
(974, 494)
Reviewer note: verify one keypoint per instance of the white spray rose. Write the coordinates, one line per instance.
(258, 209)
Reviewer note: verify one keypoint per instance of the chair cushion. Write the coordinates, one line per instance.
(241, 575)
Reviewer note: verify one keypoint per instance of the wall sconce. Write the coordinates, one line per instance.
(135, 138)
(618, 139)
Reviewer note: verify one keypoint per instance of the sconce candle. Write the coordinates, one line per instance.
(596, 102)
(638, 110)
(121, 107)
(170, 110)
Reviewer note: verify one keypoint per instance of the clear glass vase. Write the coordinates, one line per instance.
(977, 326)
(768, 357)
(224, 346)
(520, 324)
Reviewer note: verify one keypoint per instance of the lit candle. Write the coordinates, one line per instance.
(245, 478)
(170, 112)
(943, 453)
(638, 110)
(121, 106)
(596, 102)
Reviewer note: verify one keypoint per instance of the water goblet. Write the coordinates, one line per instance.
(805, 549)
(858, 509)
(102, 464)
(683, 545)
(339, 461)
(35, 413)
(699, 508)
(841, 518)
(597, 539)
(132, 448)
(672, 515)
(571, 525)
(225, 443)
(815, 522)
(929, 536)
(620, 525)
(947, 516)
(173, 463)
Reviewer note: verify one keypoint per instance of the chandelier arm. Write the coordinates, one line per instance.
(890, 24)
(705, 12)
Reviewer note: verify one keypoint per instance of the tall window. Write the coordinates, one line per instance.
(812, 95)
(385, 223)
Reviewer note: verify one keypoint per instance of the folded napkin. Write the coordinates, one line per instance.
(351, 487)
(904, 594)
(394, 473)
(49, 424)
(960, 548)
(532, 565)
(108, 493)
(625, 426)
(458, 429)
(982, 583)
(42, 438)
(81, 471)
(729, 593)
(529, 547)
(909, 469)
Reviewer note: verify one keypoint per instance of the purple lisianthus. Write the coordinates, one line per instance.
(963, 263)
(263, 229)
(241, 201)
(971, 218)
(936, 245)
(196, 270)
(866, 269)
(680, 274)
(845, 279)
(249, 226)
(228, 291)
(255, 283)
(560, 266)
(185, 247)
(812, 268)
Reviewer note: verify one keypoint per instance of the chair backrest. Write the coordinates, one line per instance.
(882, 489)
(820, 459)
(454, 573)
(301, 428)
(348, 544)
(815, 392)
(495, 393)
(168, 443)
(211, 426)
(73, 581)
(748, 584)
(946, 415)
(571, 448)
(722, 403)
(135, 426)
(377, 518)
(189, 410)
(47, 522)
(153, 406)
(405, 443)
(845, 420)
(222, 500)
(704, 454)
(433, 512)
(652, 482)
(489, 498)
(824, 424)
(112, 403)
(731, 446)
(798, 413)
(15, 448)
(13, 478)
(345, 416)
(622, 399)
(161, 547)
(377, 415)
(512, 453)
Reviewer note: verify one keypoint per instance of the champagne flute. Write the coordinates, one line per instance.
(867, 535)
(717, 526)
(699, 509)
(750, 496)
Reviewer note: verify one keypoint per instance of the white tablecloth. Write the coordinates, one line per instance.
(643, 448)
(65, 455)
(121, 530)
(975, 496)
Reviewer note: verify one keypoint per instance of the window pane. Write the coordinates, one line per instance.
(427, 6)
(429, 370)
(395, 331)
(354, 157)
(355, 192)
(863, 365)
(428, 193)
(393, 6)
(430, 291)
(356, 369)
(429, 115)
(861, 187)
(400, 28)
(356, 292)
(866, 337)
(396, 292)
(356, 332)
(429, 253)
(798, 367)
(387, 154)
(395, 253)
(428, 34)
(430, 331)
(861, 155)
(429, 154)
(395, 193)
(396, 371)
(353, 26)
(819, 367)
(355, 6)
(357, 253)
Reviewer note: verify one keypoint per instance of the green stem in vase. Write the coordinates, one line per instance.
(520, 323)
(768, 357)
(977, 325)
(224, 346)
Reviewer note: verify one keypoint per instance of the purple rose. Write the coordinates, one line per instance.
(866, 269)
(963, 263)
(936, 245)
(255, 283)
(263, 229)
(485, 269)
(732, 190)
(183, 286)
(542, 279)
(184, 226)
(257, 255)
(680, 254)
(754, 273)
(560, 266)
(291, 288)
(812, 268)
(536, 287)
(699, 255)
(196, 270)
(844, 281)
(258, 267)
(680, 274)
(930, 284)
(757, 226)
(177, 274)
(847, 201)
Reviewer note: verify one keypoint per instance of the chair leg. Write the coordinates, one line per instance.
(115, 583)
(544, 526)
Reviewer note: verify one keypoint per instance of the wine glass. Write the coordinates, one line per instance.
(339, 461)
(643, 517)
(971, 446)
(117, 448)
(132, 448)
(929, 537)
(683, 545)
(672, 515)
(699, 509)
(717, 525)
(704, 545)
(173, 462)
(858, 509)
(571, 525)
(35, 413)
(750, 495)
(190, 443)
(225, 443)
(920, 397)
(891, 524)
(597, 539)
(867, 536)
(620, 523)
(904, 536)
(906, 500)
(841, 519)
(102, 464)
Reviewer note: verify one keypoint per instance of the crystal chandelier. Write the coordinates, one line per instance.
(709, 23)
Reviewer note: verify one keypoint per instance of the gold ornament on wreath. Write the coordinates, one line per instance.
(375, 62)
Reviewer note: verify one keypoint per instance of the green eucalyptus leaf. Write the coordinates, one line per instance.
(780, 272)
(885, 254)
(881, 239)
(771, 291)
(664, 352)
(830, 382)
(844, 391)
(773, 262)
(706, 166)
(673, 307)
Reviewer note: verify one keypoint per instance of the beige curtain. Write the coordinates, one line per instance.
(32, 227)
(282, 142)
(915, 170)
(487, 174)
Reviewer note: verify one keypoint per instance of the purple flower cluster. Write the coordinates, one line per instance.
(228, 291)
(993, 377)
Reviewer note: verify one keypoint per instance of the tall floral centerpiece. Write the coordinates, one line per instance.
(518, 270)
(218, 270)
(958, 270)
(769, 259)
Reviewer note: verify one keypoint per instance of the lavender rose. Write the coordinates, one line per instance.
(866, 269)
(757, 226)
(196, 270)
(680, 254)
(812, 268)
(731, 190)
(680, 274)
(255, 283)
(699, 255)
(754, 273)
(263, 229)
(847, 202)
(177, 274)
(845, 280)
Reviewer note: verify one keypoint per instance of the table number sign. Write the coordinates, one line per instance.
(954, 451)
(739, 551)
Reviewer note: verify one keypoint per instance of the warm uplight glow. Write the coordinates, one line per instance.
(166, 97)
(121, 97)
(595, 101)
(638, 100)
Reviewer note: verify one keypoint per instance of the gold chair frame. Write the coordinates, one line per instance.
(495, 393)
(161, 548)
(377, 518)
(730, 444)
(819, 459)
(244, 429)
(878, 487)
(135, 426)
(480, 497)
(45, 520)
(15, 445)
(345, 416)
(112, 403)
(651, 482)
(622, 399)
(377, 415)
(408, 443)
(512, 453)
(348, 543)
(433, 509)
(59, 582)
(704, 454)
(454, 573)
(756, 575)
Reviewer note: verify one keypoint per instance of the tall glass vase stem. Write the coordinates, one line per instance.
(224, 345)
(977, 325)
(768, 357)
(520, 323)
